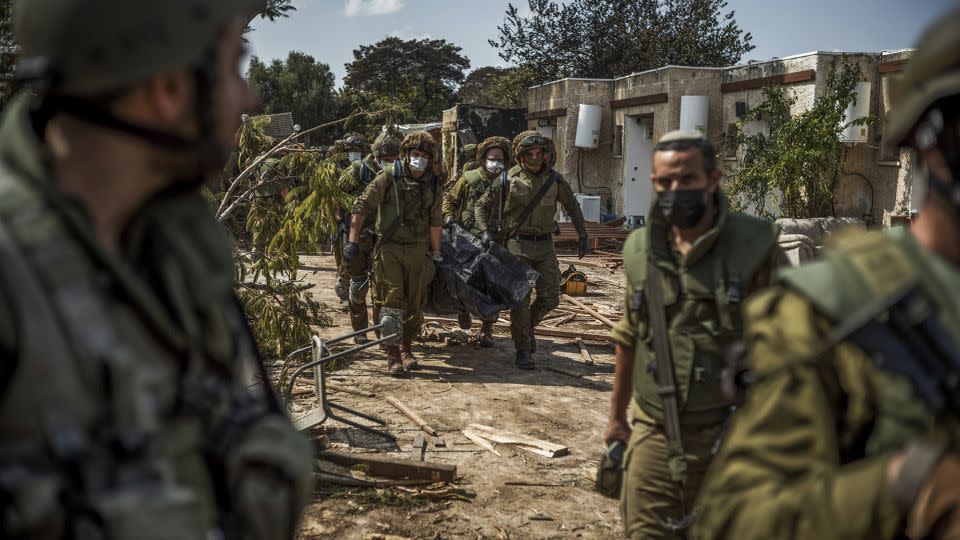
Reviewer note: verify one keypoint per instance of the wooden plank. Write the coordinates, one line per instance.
(753, 84)
(419, 450)
(581, 262)
(550, 113)
(562, 320)
(587, 359)
(411, 415)
(394, 468)
(540, 330)
(480, 441)
(537, 446)
(589, 310)
(891, 67)
(651, 99)
(439, 442)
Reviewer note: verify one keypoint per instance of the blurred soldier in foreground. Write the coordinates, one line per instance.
(459, 204)
(850, 426)
(406, 200)
(687, 274)
(354, 181)
(135, 405)
(520, 215)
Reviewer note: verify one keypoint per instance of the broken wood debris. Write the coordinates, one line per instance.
(394, 468)
(587, 359)
(411, 415)
(480, 441)
(536, 446)
(589, 310)
(419, 450)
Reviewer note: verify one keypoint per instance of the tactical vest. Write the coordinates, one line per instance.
(702, 305)
(407, 201)
(477, 185)
(364, 174)
(522, 189)
(110, 417)
(864, 268)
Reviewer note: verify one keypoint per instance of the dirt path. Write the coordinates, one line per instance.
(518, 495)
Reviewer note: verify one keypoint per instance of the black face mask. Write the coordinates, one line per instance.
(682, 208)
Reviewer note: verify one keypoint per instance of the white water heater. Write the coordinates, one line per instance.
(693, 113)
(588, 127)
(857, 134)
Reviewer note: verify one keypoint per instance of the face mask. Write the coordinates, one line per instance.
(354, 156)
(682, 208)
(419, 164)
(494, 166)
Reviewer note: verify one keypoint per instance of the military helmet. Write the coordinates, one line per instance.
(469, 152)
(386, 145)
(931, 74)
(528, 140)
(424, 142)
(85, 48)
(502, 143)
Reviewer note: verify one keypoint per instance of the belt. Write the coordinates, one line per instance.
(535, 237)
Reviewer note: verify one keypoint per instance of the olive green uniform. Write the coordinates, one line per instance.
(354, 181)
(805, 456)
(127, 375)
(702, 293)
(265, 216)
(461, 201)
(402, 263)
(533, 242)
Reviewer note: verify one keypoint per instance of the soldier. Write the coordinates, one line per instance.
(264, 219)
(354, 181)
(702, 259)
(116, 286)
(850, 426)
(524, 222)
(460, 201)
(469, 153)
(354, 146)
(407, 202)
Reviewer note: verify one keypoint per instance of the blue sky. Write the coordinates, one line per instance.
(330, 30)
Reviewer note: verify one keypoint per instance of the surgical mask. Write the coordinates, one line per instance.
(419, 164)
(354, 156)
(682, 208)
(494, 166)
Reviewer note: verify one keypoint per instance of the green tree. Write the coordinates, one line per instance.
(475, 87)
(793, 166)
(8, 49)
(422, 73)
(299, 85)
(498, 87)
(612, 38)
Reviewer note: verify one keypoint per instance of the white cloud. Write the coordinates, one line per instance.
(368, 8)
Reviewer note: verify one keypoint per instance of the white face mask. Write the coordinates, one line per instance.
(354, 156)
(494, 166)
(419, 164)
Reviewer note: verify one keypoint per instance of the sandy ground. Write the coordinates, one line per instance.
(517, 495)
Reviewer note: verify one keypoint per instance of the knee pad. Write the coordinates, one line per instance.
(342, 289)
(359, 287)
(390, 320)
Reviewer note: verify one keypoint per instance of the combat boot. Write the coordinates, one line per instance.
(406, 354)
(525, 360)
(464, 320)
(486, 334)
(394, 363)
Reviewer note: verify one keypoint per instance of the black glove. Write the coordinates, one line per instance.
(486, 239)
(350, 250)
(342, 229)
(583, 248)
(449, 222)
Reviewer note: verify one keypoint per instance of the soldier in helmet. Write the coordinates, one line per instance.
(520, 215)
(851, 422)
(469, 159)
(117, 286)
(352, 146)
(406, 199)
(703, 260)
(354, 181)
(459, 203)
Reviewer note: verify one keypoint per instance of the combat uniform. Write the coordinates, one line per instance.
(702, 294)
(533, 241)
(352, 141)
(264, 218)
(406, 209)
(354, 181)
(806, 454)
(129, 404)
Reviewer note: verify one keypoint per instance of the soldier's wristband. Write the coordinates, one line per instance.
(919, 461)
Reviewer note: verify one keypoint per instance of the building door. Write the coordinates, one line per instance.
(637, 164)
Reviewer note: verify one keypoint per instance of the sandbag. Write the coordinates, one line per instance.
(480, 282)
